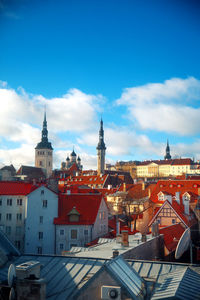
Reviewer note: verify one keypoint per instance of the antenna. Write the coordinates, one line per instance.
(183, 243)
(11, 274)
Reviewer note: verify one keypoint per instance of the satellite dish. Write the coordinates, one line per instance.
(183, 243)
(12, 294)
(11, 274)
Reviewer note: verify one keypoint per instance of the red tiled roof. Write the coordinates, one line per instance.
(139, 191)
(94, 180)
(16, 188)
(179, 161)
(172, 234)
(86, 205)
(173, 186)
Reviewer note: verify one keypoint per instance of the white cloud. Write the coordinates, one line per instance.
(75, 111)
(24, 155)
(121, 141)
(168, 107)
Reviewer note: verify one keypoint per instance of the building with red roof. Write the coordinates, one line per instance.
(174, 202)
(172, 235)
(167, 168)
(82, 217)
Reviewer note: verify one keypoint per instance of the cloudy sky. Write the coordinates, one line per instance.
(136, 63)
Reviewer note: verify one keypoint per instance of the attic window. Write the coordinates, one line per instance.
(74, 215)
(178, 185)
(195, 185)
(171, 185)
(161, 185)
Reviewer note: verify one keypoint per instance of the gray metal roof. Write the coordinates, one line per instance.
(127, 277)
(181, 284)
(153, 269)
(64, 275)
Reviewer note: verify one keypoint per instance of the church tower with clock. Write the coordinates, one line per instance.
(101, 151)
(44, 151)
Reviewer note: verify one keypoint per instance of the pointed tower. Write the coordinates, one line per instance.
(101, 151)
(44, 151)
(167, 155)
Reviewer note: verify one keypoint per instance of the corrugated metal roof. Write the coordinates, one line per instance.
(181, 284)
(154, 269)
(127, 277)
(64, 275)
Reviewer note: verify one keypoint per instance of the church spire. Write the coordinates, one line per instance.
(44, 144)
(167, 155)
(101, 149)
(101, 144)
(44, 129)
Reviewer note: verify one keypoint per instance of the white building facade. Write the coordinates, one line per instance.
(77, 235)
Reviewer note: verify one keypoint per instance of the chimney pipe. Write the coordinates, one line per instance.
(124, 241)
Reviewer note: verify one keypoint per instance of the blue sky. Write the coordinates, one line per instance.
(136, 63)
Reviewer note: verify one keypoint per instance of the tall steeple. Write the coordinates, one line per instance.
(44, 151)
(101, 150)
(167, 155)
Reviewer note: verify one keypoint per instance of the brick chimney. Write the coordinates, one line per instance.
(124, 241)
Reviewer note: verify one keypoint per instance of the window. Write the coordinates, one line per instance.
(85, 232)
(158, 221)
(18, 244)
(8, 230)
(19, 217)
(0, 201)
(62, 232)
(9, 217)
(61, 246)
(39, 250)
(42, 192)
(19, 202)
(100, 216)
(0, 217)
(18, 230)
(9, 202)
(173, 221)
(44, 203)
(40, 235)
(40, 163)
(41, 219)
(49, 164)
(74, 234)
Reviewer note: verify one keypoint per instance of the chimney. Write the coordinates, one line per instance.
(115, 253)
(186, 205)
(178, 197)
(154, 229)
(143, 185)
(124, 241)
(124, 187)
(29, 285)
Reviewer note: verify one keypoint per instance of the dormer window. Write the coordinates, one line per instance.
(161, 196)
(186, 197)
(74, 215)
